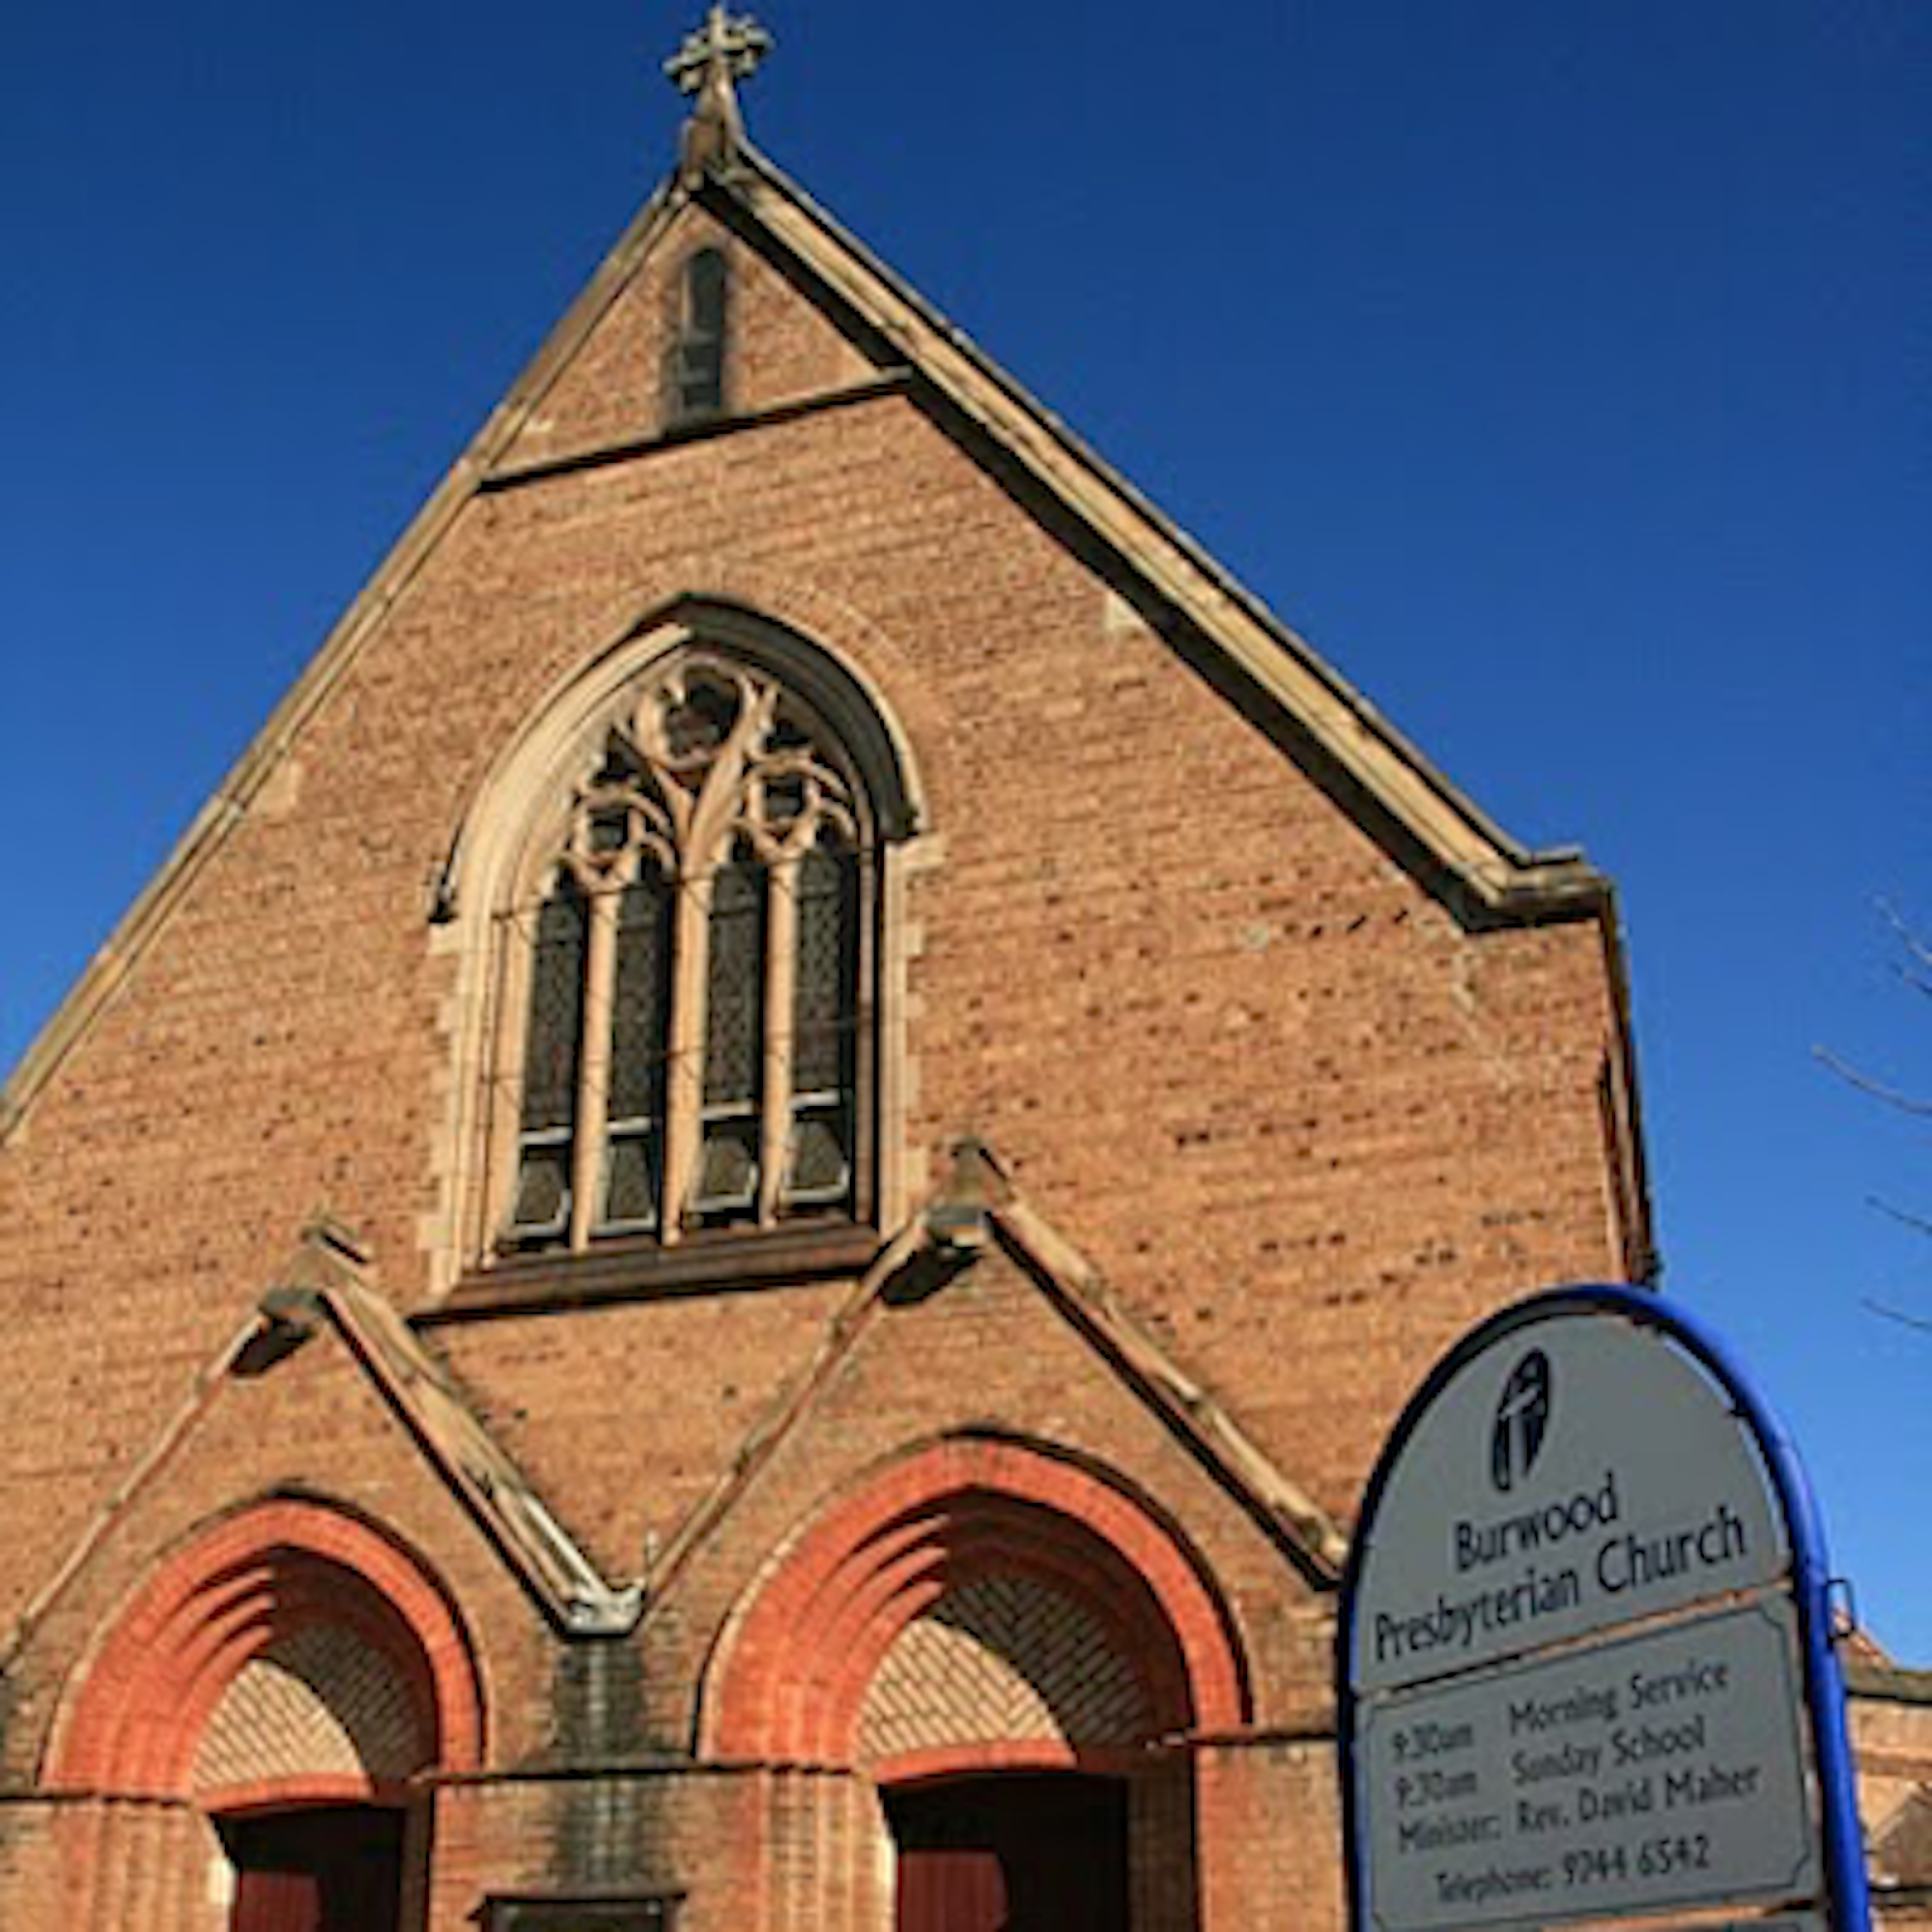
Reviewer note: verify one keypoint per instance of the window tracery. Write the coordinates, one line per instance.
(696, 946)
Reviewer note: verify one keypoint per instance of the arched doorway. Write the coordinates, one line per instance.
(1005, 1670)
(288, 1680)
(1013, 1654)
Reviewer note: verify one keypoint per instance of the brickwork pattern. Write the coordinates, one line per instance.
(317, 1702)
(1002, 1661)
(303, 1588)
(1349, 1126)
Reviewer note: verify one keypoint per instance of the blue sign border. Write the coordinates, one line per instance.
(1848, 1899)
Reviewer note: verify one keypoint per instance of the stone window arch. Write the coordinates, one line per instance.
(689, 938)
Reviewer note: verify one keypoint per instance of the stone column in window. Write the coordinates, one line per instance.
(780, 978)
(599, 976)
(684, 1085)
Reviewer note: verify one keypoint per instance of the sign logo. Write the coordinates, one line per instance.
(1523, 1420)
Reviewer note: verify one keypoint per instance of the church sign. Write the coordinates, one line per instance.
(1586, 1668)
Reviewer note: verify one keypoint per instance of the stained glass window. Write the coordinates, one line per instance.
(697, 723)
(552, 1046)
(691, 1046)
(640, 1044)
(734, 1042)
(824, 1026)
(734, 1002)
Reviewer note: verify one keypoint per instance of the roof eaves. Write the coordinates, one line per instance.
(1880, 1681)
(1510, 881)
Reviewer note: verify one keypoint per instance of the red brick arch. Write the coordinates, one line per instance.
(791, 1674)
(137, 1716)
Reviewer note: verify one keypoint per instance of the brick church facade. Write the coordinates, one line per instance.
(727, 1246)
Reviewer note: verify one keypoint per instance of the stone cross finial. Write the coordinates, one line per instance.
(731, 43)
(724, 50)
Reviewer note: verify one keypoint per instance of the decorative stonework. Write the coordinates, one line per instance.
(726, 49)
(513, 822)
(733, 42)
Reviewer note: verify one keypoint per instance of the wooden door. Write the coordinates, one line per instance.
(322, 1868)
(951, 1889)
(1011, 1853)
(272, 1901)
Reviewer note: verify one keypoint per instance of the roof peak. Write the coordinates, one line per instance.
(711, 61)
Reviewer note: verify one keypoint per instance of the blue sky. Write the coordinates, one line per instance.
(1564, 373)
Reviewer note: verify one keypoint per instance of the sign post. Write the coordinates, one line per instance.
(1586, 1668)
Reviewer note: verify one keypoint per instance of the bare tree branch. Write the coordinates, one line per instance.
(1918, 949)
(1899, 1315)
(1915, 970)
(1918, 1222)
(1906, 1103)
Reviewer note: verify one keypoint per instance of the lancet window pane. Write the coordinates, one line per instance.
(640, 998)
(824, 1029)
(734, 1003)
(826, 982)
(553, 1049)
(554, 1037)
(701, 355)
(734, 1044)
(640, 1044)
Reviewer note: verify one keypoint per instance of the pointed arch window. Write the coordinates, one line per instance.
(699, 354)
(696, 948)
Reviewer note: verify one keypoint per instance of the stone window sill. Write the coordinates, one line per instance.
(726, 1261)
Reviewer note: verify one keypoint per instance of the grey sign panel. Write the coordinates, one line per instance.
(1655, 1773)
(1582, 1474)
(1783, 1922)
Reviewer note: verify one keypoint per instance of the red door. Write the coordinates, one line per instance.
(1011, 1853)
(271, 1901)
(327, 1869)
(942, 1890)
